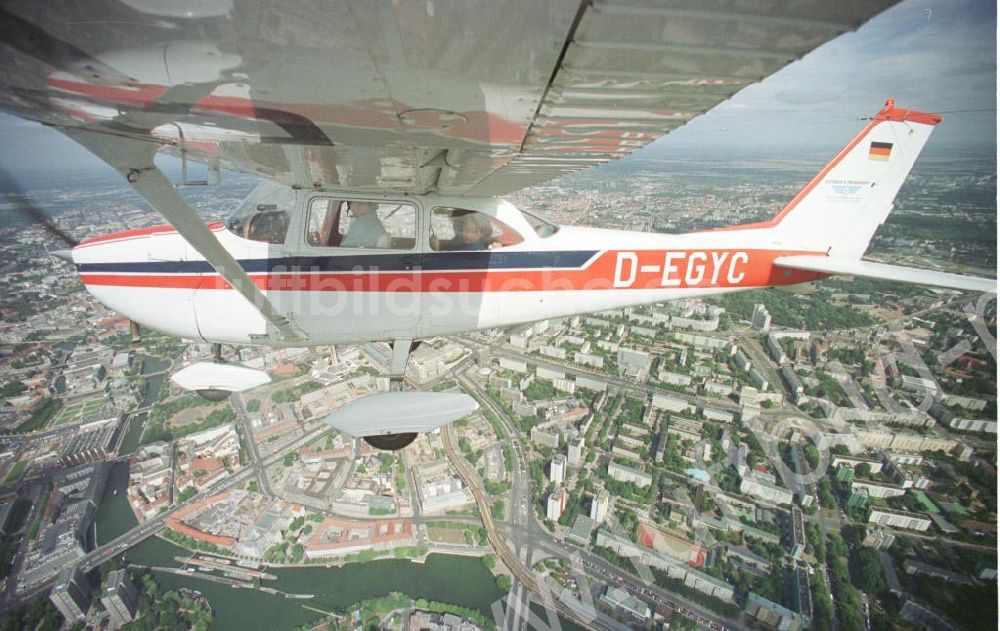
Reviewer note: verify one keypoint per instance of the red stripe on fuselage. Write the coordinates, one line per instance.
(138, 233)
(703, 266)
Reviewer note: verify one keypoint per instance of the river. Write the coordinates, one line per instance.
(114, 516)
(459, 580)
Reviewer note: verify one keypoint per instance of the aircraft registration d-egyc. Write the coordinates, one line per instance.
(387, 132)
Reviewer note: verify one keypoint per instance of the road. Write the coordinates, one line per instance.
(526, 535)
(243, 422)
(760, 359)
(519, 498)
(516, 566)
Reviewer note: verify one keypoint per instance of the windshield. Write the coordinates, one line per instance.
(541, 227)
(264, 214)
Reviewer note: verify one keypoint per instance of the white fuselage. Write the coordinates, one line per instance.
(347, 295)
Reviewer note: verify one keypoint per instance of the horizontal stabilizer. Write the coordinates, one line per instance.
(400, 412)
(855, 267)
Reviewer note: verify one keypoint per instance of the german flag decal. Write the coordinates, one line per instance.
(880, 151)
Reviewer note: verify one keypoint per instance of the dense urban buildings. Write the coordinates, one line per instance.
(740, 461)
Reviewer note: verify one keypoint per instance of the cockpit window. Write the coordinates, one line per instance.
(335, 223)
(264, 214)
(460, 229)
(541, 227)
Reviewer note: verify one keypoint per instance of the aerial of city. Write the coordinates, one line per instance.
(822, 457)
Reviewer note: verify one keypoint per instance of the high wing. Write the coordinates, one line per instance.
(459, 97)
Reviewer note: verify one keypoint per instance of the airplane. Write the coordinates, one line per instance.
(388, 133)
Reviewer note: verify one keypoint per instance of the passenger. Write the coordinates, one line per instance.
(473, 232)
(366, 230)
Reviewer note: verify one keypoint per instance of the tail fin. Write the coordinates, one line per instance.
(840, 209)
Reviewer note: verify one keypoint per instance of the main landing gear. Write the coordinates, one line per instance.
(216, 380)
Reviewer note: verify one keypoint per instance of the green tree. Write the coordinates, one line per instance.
(489, 561)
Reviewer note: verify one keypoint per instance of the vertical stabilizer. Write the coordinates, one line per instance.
(840, 209)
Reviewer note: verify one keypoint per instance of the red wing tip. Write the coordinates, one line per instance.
(892, 113)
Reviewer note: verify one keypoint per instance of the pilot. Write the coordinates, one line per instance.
(366, 231)
(473, 232)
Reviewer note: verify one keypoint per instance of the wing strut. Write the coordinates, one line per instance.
(133, 159)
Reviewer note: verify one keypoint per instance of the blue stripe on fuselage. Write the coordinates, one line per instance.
(391, 262)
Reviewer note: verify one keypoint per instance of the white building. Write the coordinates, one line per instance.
(564, 385)
(552, 351)
(544, 438)
(919, 385)
(634, 363)
(587, 359)
(674, 378)
(599, 506)
(718, 388)
(973, 425)
(574, 451)
(774, 349)
(899, 519)
(513, 364)
(877, 489)
(670, 403)
(628, 474)
(556, 504)
(765, 491)
(557, 469)
(591, 384)
(548, 374)
(761, 318)
(758, 380)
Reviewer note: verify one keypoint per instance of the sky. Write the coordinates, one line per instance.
(930, 55)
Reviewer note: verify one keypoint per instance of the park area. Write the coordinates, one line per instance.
(185, 415)
(77, 410)
(455, 533)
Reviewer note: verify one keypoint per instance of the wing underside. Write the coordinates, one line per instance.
(461, 98)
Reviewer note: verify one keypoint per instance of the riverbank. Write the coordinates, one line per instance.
(463, 581)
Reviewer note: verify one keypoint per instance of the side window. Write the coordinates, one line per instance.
(324, 216)
(457, 229)
(360, 224)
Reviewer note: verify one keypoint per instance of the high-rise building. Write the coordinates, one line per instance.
(71, 594)
(557, 470)
(599, 506)
(761, 318)
(556, 504)
(574, 451)
(121, 598)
